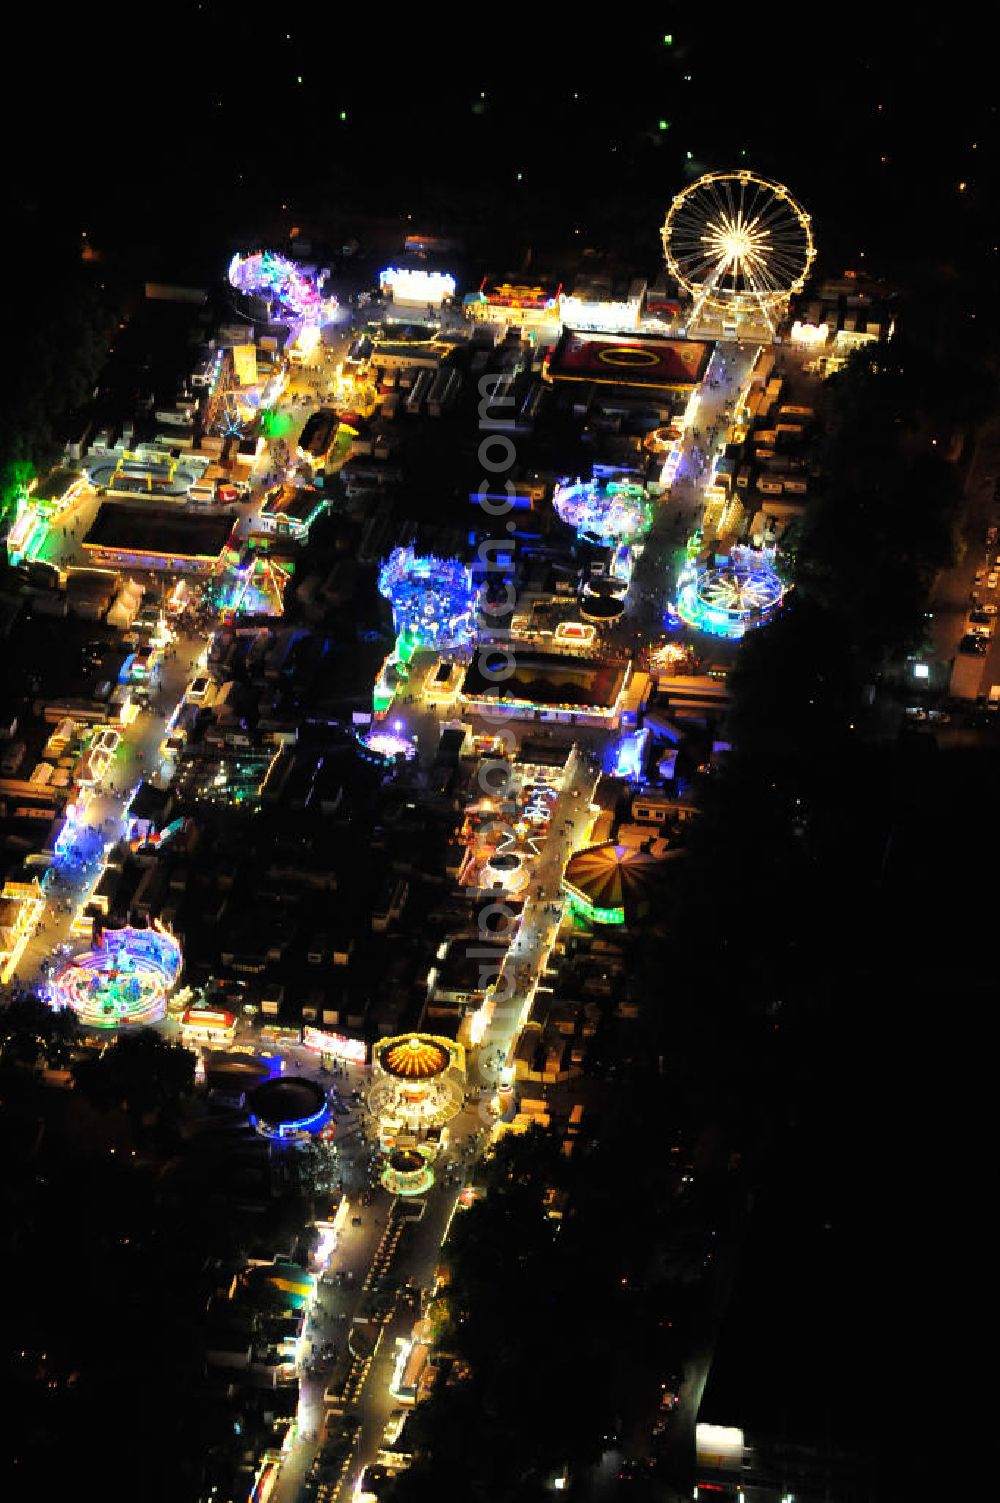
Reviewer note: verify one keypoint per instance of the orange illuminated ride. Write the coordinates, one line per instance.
(418, 1082)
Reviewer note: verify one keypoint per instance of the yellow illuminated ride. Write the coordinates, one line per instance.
(738, 245)
(418, 1082)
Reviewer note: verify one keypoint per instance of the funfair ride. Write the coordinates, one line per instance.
(125, 978)
(606, 512)
(291, 291)
(433, 599)
(732, 598)
(418, 1082)
(739, 245)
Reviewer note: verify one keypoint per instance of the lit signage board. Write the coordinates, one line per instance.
(417, 286)
(507, 295)
(336, 1044)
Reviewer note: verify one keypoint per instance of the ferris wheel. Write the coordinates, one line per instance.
(738, 244)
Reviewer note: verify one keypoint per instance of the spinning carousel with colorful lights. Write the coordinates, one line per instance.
(433, 599)
(604, 511)
(125, 978)
(418, 1082)
(386, 746)
(504, 842)
(732, 598)
(292, 292)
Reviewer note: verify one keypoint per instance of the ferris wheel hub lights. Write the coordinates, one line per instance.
(738, 244)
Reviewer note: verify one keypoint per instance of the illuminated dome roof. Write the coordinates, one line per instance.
(414, 1058)
(407, 1161)
(281, 1102)
(594, 607)
(611, 881)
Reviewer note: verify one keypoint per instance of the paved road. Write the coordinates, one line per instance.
(136, 757)
(953, 589)
(528, 954)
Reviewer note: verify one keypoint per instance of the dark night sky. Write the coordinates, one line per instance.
(203, 119)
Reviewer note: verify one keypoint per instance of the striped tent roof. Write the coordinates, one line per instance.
(612, 876)
(415, 1058)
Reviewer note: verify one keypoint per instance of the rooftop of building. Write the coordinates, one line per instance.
(548, 679)
(640, 360)
(164, 530)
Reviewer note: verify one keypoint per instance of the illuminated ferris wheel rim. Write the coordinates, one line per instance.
(736, 238)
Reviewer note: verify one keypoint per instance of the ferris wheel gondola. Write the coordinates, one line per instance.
(738, 244)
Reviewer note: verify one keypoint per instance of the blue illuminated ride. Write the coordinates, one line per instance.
(230, 421)
(625, 757)
(288, 1107)
(433, 599)
(732, 598)
(604, 511)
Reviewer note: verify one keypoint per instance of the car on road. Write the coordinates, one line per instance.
(992, 579)
(974, 645)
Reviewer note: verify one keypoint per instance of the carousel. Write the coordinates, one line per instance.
(125, 979)
(418, 1083)
(407, 1171)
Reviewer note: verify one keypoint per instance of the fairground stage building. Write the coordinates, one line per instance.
(547, 686)
(640, 362)
(143, 536)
